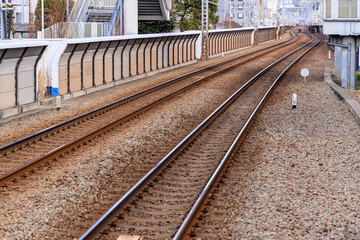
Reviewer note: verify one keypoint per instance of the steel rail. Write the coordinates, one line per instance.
(193, 214)
(112, 213)
(135, 95)
(82, 140)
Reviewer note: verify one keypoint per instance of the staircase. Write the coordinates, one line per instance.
(99, 16)
(107, 12)
(150, 10)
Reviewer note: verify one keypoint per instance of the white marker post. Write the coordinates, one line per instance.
(58, 103)
(294, 96)
(304, 72)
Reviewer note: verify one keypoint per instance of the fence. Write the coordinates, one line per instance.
(266, 34)
(227, 40)
(18, 82)
(89, 64)
(75, 30)
(103, 4)
(79, 66)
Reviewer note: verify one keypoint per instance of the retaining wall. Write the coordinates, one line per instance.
(86, 65)
(74, 67)
(18, 75)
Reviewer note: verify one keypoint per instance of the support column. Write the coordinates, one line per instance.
(344, 62)
(130, 17)
(352, 67)
(357, 40)
(3, 20)
(337, 64)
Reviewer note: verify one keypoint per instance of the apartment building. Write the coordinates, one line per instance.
(245, 12)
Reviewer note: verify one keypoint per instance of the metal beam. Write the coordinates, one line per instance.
(205, 30)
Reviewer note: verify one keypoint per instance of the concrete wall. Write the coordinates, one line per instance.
(227, 40)
(90, 63)
(18, 75)
(73, 67)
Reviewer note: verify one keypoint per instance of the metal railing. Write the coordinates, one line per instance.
(115, 16)
(76, 30)
(74, 11)
(99, 4)
(20, 80)
(81, 15)
(166, 6)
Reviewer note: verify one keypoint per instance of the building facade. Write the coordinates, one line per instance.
(247, 13)
(23, 17)
(342, 24)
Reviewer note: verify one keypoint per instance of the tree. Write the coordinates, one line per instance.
(189, 14)
(149, 27)
(55, 16)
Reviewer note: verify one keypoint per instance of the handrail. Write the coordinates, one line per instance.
(104, 3)
(165, 8)
(166, 4)
(81, 13)
(74, 11)
(118, 9)
(80, 30)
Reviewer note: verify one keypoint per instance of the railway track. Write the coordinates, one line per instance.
(167, 202)
(26, 155)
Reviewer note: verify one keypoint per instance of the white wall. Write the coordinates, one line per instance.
(130, 17)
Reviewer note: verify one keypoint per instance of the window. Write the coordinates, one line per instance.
(328, 9)
(18, 17)
(240, 15)
(240, 7)
(347, 8)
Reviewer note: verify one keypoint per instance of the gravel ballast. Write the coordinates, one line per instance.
(24, 126)
(299, 174)
(48, 204)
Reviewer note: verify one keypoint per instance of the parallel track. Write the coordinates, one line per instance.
(28, 154)
(167, 201)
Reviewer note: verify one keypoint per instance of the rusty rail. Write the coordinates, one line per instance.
(113, 212)
(82, 140)
(192, 216)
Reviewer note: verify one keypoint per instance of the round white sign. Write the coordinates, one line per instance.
(304, 72)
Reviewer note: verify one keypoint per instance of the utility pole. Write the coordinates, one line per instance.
(256, 22)
(11, 10)
(225, 3)
(67, 10)
(283, 11)
(205, 29)
(29, 18)
(3, 19)
(4, 8)
(42, 19)
(22, 13)
(230, 14)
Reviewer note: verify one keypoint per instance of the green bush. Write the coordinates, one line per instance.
(357, 81)
(357, 76)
